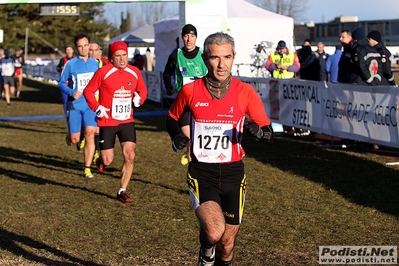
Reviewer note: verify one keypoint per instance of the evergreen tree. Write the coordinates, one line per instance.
(46, 34)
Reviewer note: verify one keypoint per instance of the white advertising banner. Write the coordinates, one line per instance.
(153, 81)
(362, 113)
(298, 103)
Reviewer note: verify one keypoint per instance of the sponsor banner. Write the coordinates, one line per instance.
(300, 103)
(363, 113)
(153, 81)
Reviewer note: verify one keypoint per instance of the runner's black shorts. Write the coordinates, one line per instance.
(222, 183)
(10, 81)
(125, 132)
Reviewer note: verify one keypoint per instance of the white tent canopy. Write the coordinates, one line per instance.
(140, 36)
(166, 31)
(246, 23)
(250, 25)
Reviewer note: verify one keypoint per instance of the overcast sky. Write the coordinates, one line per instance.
(326, 10)
(317, 10)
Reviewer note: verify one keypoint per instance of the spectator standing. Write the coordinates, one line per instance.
(119, 85)
(345, 65)
(310, 64)
(307, 42)
(367, 61)
(374, 38)
(73, 81)
(332, 64)
(282, 63)
(322, 56)
(184, 65)
(19, 63)
(216, 177)
(149, 63)
(7, 71)
(138, 59)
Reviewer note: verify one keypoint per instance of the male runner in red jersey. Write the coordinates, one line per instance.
(118, 83)
(218, 104)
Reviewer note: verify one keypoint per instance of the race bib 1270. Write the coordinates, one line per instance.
(212, 142)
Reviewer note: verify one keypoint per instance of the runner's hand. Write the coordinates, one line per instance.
(263, 134)
(179, 143)
(136, 99)
(102, 112)
(267, 133)
(253, 129)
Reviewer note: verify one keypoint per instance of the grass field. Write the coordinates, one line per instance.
(302, 193)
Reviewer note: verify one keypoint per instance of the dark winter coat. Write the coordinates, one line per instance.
(345, 65)
(310, 65)
(322, 60)
(386, 59)
(367, 61)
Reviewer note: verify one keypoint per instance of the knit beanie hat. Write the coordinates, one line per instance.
(375, 35)
(188, 29)
(115, 46)
(281, 45)
(358, 34)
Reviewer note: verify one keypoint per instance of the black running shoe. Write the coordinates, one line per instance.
(124, 197)
(100, 166)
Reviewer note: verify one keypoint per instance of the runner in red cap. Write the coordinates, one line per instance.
(119, 85)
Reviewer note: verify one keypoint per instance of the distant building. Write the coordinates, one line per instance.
(329, 32)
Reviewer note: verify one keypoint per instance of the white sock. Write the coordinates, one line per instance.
(121, 190)
(209, 251)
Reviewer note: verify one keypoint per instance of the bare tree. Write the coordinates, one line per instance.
(150, 12)
(290, 8)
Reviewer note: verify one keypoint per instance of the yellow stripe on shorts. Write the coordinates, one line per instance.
(242, 196)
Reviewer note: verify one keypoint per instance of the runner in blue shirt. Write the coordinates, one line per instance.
(74, 77)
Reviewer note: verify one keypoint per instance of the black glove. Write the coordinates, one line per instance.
(170, 90)
(253, 129)
(392, 83)
(264, 134)
(179, 142)
(267, 133)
